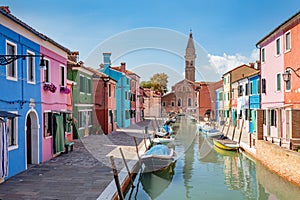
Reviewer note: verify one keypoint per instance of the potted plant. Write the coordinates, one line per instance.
(50, 86)
(64, 89)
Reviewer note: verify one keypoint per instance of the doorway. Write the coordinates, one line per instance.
(32, 139)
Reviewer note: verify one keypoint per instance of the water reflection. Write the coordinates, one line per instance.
(154, 183)
(203, 171)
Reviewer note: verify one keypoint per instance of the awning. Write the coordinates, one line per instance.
(8, 114)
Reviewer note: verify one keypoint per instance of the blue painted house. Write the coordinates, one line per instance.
(219, 106)
(20, 93)
(122, 91)
(254, 100)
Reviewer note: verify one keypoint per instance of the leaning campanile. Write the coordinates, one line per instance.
(190, 57)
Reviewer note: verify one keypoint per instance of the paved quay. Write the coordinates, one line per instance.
(83, 173)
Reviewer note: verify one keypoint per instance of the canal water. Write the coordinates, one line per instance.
(202, 171)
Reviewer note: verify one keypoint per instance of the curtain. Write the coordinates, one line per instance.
(3, 150)
(60, 134)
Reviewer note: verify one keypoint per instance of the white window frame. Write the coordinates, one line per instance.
(276, 49)
(263, 55)
(64, 81)
(16, 145)
(290, 41)
(89, 86)
(280, 81)
(49, 70)
(15, 62)
(33, 67)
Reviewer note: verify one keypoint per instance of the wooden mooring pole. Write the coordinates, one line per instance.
(127, 168)
(137, 151)
(116, 177)
(241, 131)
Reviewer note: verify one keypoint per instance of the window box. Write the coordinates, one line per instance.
(50, 86)
(65, 90)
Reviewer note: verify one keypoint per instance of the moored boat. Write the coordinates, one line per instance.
(213, 133)
(157, 157)
(226, 144)
(163, 140)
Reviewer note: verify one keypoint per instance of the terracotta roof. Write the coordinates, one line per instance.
(5, 11)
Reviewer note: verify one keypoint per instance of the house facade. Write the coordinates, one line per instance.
(122, 91)
(20, 94)
(83, 105)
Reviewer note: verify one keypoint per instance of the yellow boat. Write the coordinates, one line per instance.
(225, 152)
(226, 144)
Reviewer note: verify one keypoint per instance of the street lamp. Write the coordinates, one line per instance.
(287, 74)
(7, 59)
(105, 79)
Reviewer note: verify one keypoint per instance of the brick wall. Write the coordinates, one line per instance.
(279, 160)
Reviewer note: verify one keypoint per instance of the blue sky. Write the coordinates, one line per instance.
(226, 29)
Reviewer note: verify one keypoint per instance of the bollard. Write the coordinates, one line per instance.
(137, 151)
(127, 168)
(115, 172)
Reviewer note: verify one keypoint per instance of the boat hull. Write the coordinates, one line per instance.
(154, 162)
(226, 144)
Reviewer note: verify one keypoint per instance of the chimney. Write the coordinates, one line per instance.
(106, 60)
(251, 64)
(5, 8)
(73, 56)
(258, 65)
(123, 67)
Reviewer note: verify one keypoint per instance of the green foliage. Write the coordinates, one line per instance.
(157, 82)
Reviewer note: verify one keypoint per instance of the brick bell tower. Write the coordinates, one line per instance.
(190, 57)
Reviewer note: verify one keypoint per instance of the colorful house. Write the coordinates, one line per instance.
(104, 98)
(280, 81)
(20, 93)
(219, 105)
(82, 96)
(272, 86)
(254, 100)
(122, 91)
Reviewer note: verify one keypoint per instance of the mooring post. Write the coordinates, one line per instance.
(137, 151)
(128, 171)
(241, 131)
(234, 127)
(228, 127)
(115, 172)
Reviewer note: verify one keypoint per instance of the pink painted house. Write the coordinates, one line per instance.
(54, 95)
(272, 84)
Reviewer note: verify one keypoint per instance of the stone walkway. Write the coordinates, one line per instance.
(83, 173)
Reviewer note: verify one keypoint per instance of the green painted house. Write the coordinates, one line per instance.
(82, 99)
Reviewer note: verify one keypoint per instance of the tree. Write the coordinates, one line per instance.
(158, 82)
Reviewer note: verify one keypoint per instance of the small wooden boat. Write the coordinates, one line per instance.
(162, 140)
(226, 144)
(225, 152)
(157, 157)
(213, 133)
(161, 132)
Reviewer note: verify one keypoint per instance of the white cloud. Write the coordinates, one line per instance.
(226, 62)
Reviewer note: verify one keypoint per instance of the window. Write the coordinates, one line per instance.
(30, 68)
(278, 82)
(90, 118)
(81, 121)
(224, 80)
(172, 104)
(247, 113)
(247, 89)
(264, 116)
(228, 97)
(220, 96)
(288, 83)
(240, 90)
(11, 68)
(179, 102)
(127, 114)
(48, 124)
(62, 76)
(89, 85)
(109, 90)
(258, 86)
(164, 103)
(288, 41)
(251, 88)
(263, 85)
(47, 72)
(82, 83)
(189, 102)
(12, 132)
(278, 46)
(273, 117)
(263, 55)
